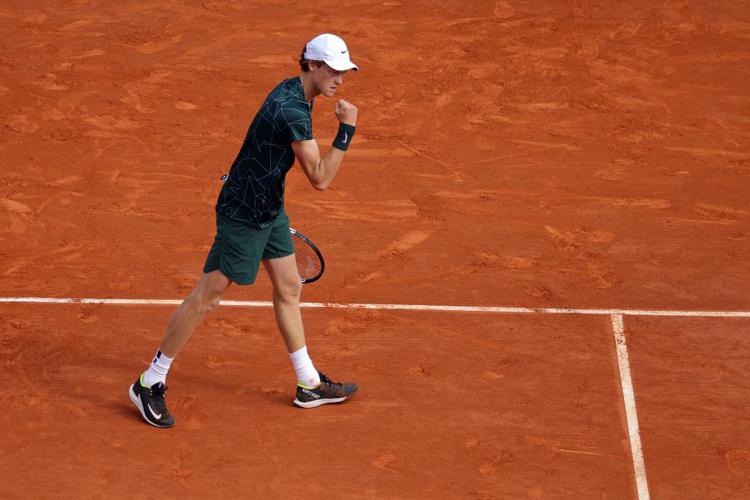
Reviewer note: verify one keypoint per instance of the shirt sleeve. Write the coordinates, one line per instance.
(296, 125)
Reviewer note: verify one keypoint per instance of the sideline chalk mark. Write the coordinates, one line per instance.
(394, 307)
(628, 395)
(616, 315)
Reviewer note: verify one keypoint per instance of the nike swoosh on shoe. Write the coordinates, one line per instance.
(156, 415)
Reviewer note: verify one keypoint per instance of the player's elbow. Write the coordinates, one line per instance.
(321, 185)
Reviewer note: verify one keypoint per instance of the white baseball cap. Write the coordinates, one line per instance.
(331, 50)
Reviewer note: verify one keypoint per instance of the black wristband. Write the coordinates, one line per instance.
(344, 136)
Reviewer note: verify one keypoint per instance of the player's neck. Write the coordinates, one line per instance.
(307, 84)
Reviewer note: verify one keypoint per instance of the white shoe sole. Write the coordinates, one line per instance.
(318, 402)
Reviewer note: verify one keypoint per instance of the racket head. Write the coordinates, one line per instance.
(310, 263)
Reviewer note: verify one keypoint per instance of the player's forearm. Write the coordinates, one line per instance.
(327, 168)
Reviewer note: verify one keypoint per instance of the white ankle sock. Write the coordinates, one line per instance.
(158, 370)
(307, 375)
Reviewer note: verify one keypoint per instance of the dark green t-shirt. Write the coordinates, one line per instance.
(254, 190)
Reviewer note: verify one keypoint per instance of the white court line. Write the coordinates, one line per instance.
(615, 314)
(394, 307)
(628, 395)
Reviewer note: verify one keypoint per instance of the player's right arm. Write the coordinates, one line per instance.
(321, 171)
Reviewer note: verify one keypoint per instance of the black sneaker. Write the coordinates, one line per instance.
(150, 401)
(326, 392)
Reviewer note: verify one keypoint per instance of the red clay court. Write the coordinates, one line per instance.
(537, 251)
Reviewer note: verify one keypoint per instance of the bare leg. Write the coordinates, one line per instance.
(204, 297)
(287, 290)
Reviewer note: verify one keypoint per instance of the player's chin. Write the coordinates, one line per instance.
(330, 92)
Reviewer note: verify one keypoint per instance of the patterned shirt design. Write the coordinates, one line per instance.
(254, 189)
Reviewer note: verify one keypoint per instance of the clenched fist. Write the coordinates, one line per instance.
(346, 112)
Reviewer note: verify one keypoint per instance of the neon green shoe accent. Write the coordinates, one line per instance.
(300, 384)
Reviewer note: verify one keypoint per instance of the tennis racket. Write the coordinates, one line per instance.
(310, 263)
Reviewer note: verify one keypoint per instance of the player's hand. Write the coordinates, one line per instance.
(346, 112)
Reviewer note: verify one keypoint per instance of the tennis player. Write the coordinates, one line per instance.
(252, 226)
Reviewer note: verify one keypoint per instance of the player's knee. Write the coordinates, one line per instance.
(289, 291)
(204, 303)
(211, 302)
(207, 295)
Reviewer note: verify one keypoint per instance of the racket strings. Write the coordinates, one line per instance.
(308, 262)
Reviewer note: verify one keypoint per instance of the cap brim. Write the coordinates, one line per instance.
(342, 65)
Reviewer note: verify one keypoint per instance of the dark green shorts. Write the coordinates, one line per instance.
(238, 249)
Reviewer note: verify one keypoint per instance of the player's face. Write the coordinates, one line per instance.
(327, 79)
